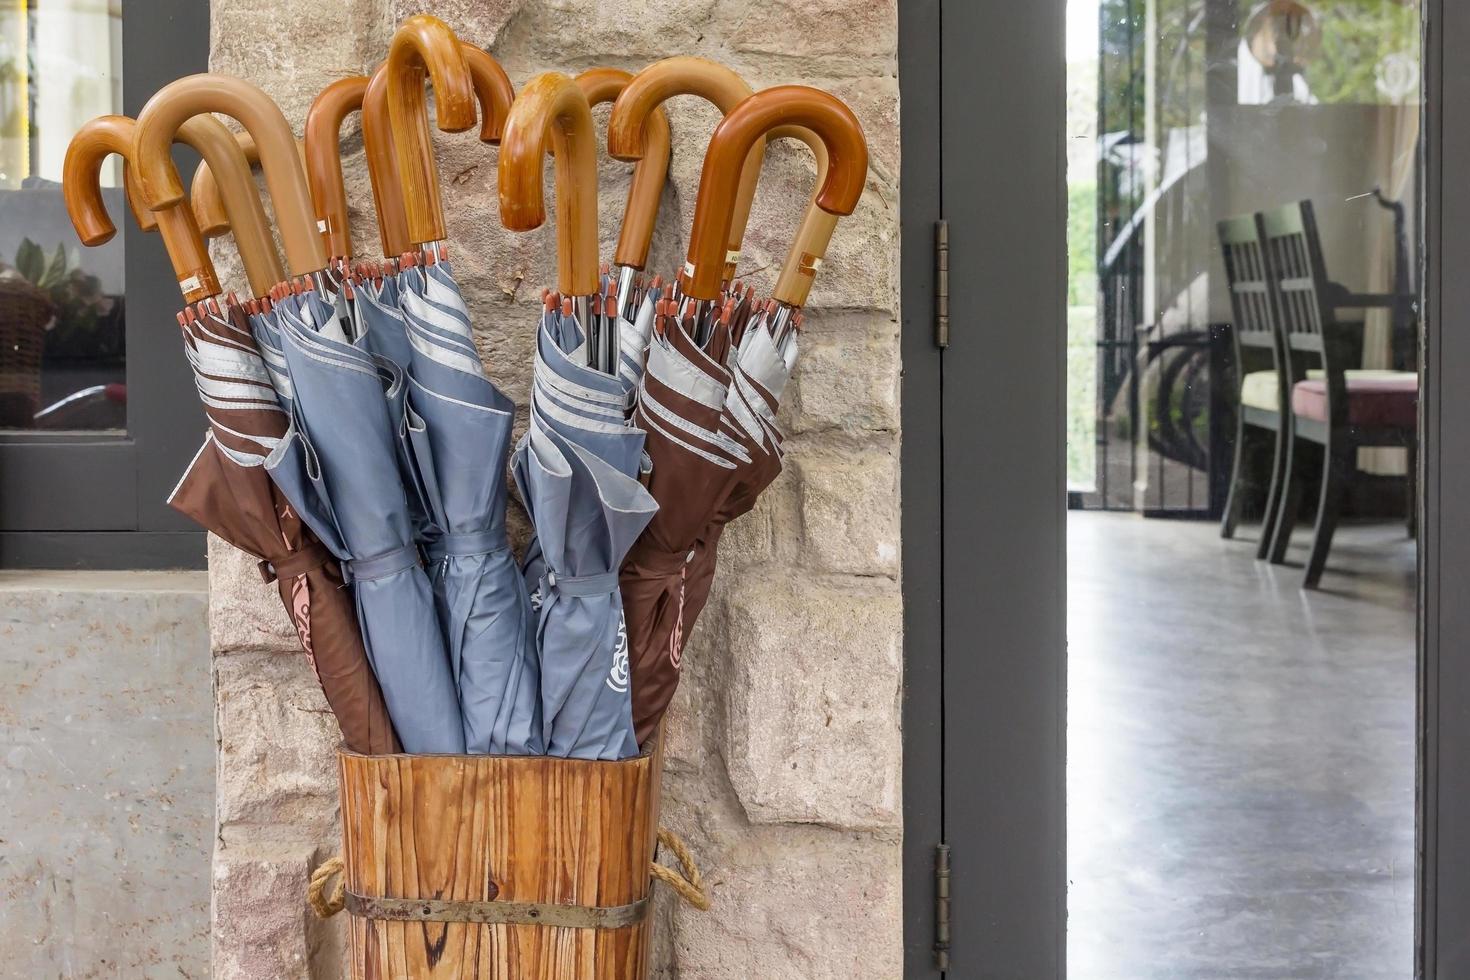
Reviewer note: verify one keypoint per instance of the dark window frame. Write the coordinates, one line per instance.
(97, 500)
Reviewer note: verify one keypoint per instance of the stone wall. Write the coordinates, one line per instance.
(784, 754)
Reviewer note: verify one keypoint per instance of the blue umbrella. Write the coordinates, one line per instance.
(339, 463)
(459, 427)
(577, 466)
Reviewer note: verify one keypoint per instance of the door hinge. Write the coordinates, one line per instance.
(941, 908)
(941, 283)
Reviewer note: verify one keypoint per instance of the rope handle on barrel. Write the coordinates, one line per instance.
(328, 899)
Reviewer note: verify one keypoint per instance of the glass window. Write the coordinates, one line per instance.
(62, 350)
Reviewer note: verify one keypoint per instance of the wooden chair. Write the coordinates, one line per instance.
(1337, 407)
(1262, 388)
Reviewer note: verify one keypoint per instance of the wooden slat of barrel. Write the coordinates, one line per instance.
(475, 828)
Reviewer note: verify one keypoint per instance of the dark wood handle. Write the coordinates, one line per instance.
(493, 91)
(231, 202)
(324, 159)
(425, 45)
(382, 164)
(785, 105)
(652, 170)
(684, 75)
(82, 192)
(552, 107)
(262, 118)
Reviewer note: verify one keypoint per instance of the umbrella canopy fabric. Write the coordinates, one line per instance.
(693, 463)
(226, 490)
(339, 465)
(459, 427)
(576, 468)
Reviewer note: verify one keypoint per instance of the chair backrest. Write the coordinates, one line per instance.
(1252, 300)
(1306, 314)
(1298, 275)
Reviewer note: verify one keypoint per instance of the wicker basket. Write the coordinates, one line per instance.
(25, 311)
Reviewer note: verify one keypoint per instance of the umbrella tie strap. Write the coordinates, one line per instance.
(308, 559)
(467, 544)
(581, 586)
(381, 566)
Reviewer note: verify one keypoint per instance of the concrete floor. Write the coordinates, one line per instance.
(1241, 756)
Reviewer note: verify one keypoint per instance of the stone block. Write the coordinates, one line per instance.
(812, 701)
(847, 377)
(844, 33)
(277, 742)
(261, 928)
(795, 905)
(849, 509)
(245, 614)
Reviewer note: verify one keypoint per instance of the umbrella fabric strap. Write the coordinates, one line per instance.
(581, 586)
(513, 913)
(308, 559)
(467, 544)
(381, 566)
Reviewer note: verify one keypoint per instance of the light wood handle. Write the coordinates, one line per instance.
(552, 105)
(815, 234)
(82, 192)
(425, 45)
(324, 159)
(84, 195)
(236, 206)
(493, 91)
(686, 75)
(286, 179)
(652, 170)
(794, 105)
(382, 164)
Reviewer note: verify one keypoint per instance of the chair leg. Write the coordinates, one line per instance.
(1338, 462)
(1231, 517)
(1279, 470)
(1290, 496)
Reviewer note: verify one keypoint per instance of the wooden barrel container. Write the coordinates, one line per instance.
(498, 868)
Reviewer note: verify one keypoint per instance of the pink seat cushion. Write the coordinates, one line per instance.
(1391, 400)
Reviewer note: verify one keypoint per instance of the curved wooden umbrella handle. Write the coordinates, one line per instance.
(652, 170)
(188, 97)
(552, 105)
(382, 164)
(425, 45)
(687, 76)
(324, 159)
(231, 202)
(493, 91)
(795, 105)
(82, 191)
(815, 234)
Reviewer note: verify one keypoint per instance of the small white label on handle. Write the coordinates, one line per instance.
(689, 269)
(189, 284)
(732, 257)
(321, 225)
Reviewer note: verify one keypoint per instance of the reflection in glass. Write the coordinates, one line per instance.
(62, 352)
(1245, 238)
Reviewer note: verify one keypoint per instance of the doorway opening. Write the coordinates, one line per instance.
(1243, 343)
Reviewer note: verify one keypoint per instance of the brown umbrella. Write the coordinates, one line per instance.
(231, 498)
(707, 481)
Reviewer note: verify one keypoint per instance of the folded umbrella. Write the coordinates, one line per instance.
(576, 466)
(337, 461)
(728, 445)
(225, 488)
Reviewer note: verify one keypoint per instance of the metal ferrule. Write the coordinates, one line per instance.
(781, 322)
(436, 250)
(627, 302)
(321, 281)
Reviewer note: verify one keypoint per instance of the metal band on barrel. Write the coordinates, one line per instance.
(488, 913)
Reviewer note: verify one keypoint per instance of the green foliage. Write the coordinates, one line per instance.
(75, 294)
(1082, 243)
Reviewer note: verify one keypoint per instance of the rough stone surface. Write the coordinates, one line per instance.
(106, 770)
(784, 751)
